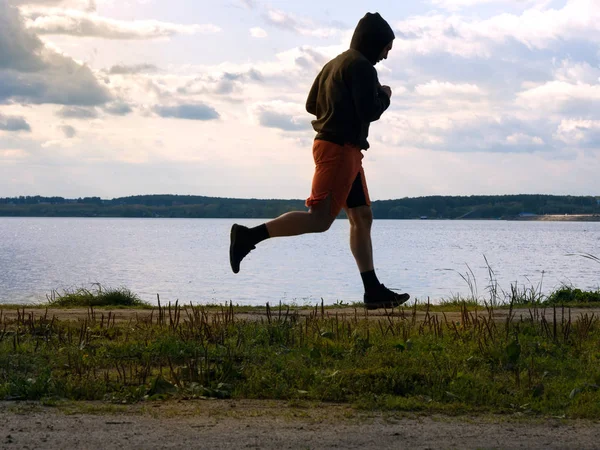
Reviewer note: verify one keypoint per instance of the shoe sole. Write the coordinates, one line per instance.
(402, 298)
(232, 237)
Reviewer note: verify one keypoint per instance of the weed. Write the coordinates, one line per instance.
(97, 296)
(538, 360)
(570, 295)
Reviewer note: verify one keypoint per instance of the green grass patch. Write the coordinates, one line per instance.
(531, 365)
(97, 296)
(570, 295)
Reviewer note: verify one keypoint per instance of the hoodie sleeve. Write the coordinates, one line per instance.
(311, 102)
(369, 100)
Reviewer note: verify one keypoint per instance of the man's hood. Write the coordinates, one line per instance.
(371, 36)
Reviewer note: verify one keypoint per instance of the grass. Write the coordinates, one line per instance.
(538, 364)
(571, 295)
(523, 297)
(519, 295)
(97, 297)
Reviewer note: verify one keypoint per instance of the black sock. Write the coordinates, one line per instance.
(258, 234)
(370, 280)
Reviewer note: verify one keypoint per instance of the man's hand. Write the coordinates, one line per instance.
(387, 90)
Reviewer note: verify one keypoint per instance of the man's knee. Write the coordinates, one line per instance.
(361, 217)
(321, 215)
(323, 223)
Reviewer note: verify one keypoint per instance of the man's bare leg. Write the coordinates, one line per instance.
(376, 294)
(317, 220)
(361, 219)
(243, 240)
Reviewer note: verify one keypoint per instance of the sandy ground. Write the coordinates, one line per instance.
(126, 315)
(273, 425)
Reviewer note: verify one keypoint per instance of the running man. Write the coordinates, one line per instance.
(345, 98)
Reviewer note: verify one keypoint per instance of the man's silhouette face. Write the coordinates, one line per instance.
(385, 51)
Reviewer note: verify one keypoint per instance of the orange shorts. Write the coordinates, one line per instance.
(338, 173)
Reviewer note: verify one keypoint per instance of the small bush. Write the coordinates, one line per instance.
(96, 297)
(571, 295)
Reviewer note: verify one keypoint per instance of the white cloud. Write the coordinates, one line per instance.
(30, 72)
(13, 154)
(535, 28)
(577, 132)
(250, 4)
(285, 116)
(13, 123)
(218, 82)
(80, 23)
(463, 132)
(577, 72)
(188, 111)
(560, 96)
(88, 5)
(122, 69)
(118, 108)
(540, 28)
(524, 139)
(458, 4)
(77, 112)
(454, 35)
(68, 131)
(454, 5)
(478, 102)
(435, 88)
(258, 32)
(298, 25)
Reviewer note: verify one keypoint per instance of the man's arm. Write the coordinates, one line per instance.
(370, 98)
(311, 102)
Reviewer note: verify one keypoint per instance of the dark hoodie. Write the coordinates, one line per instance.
(346, 95)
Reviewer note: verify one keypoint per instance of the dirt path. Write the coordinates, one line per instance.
(272, 425)
(125, 315)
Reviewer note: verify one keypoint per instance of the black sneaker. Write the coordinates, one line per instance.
(239, 246)
(382, 297)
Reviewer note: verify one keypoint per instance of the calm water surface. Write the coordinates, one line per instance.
(187, 260)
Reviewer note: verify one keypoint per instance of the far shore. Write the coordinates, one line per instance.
(563, 218)
(530, 218)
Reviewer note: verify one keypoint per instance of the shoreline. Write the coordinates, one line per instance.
(536, 218)
(562, 218)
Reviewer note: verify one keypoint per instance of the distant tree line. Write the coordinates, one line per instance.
(192, 206)
(484, 206)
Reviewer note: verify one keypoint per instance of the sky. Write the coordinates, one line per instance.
(112, 98)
